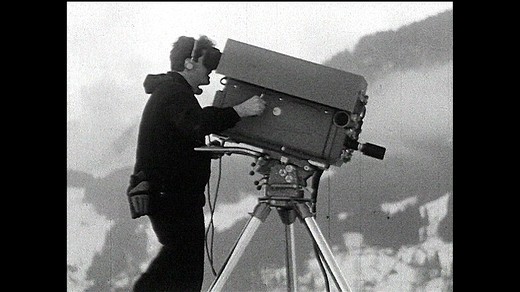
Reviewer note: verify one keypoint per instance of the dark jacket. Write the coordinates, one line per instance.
(172, 124)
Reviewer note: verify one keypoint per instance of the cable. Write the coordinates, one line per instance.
(211, 227)
(328, 207)
(314, 198)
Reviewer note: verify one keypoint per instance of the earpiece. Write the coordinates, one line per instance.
(188, 65)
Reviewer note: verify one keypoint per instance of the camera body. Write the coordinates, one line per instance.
(311, 109)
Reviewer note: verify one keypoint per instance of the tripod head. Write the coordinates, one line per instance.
(281, 175)
(284, 179)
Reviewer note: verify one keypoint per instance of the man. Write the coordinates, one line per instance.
(169, 176)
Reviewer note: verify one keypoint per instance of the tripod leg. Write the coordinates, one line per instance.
(290, 258)
(332, 265)
(259, 215)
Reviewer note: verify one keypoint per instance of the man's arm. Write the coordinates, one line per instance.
(185, 113)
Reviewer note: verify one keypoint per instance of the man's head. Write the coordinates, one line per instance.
(194, 59)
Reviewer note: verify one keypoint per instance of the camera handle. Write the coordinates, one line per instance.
(368, 149)
(231, 150)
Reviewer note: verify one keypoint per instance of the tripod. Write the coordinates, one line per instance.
(284, 191)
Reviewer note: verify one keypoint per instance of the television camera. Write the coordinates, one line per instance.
(313, 112)
(313, 119)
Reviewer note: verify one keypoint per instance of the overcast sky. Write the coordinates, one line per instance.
(121, 42)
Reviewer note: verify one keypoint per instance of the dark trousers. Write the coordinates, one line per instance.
(179, 265)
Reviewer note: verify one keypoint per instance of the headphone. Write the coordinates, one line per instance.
(189, 64)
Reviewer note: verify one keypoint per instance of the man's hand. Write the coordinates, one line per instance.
(139, 199)
(251, 107)
(139, 205)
